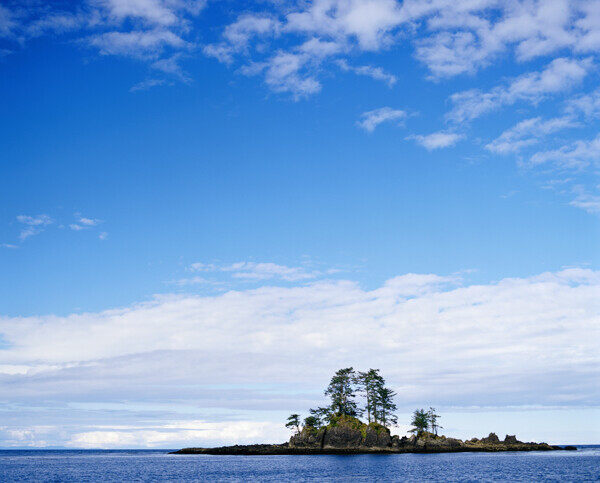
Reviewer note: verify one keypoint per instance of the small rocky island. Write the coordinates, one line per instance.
(337, 429)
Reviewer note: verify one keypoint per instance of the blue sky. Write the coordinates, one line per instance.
(189, 183)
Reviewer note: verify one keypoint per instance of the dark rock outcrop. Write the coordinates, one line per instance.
(347, 435)
(511, 439)
(491, 439)
(308, 438)
(377, 436)
(343, 432)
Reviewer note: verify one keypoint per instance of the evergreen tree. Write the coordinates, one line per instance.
(420, 421)
(321, 414)
(386, 406)
(433, 417)
(293, 422)
(312, 422)
(341, 393)
(369, 383)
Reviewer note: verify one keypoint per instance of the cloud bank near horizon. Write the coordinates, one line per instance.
(237, 360)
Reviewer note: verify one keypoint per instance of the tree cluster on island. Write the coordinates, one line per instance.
(376, 403)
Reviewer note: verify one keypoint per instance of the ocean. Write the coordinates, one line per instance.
(158, 465)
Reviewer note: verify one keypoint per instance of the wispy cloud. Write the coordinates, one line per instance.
(559, 75)
(437, 140)
(575, 155)
(83, 223)
(259, 271)
(586, 200)
(34, 225)
(376, 73)
(371, 119)
(148, 84)
(529, 132)
(149, 30)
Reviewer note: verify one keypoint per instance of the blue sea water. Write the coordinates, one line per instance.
(123, 465)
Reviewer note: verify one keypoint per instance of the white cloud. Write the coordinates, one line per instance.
(246, 27)
(450, 38)
(143, 44)
(141, 29)
(258, 271)
(183, 282)
(518, 332)
(528, 132)
(153, 12)
(103, 235)
(82, 223)
(237, 36)
(558, 76)
(7, 22)
(437, 140)
(147, 84)
(198, 433)
(585, 104)
(254, 355)
(586, 201)
(35, 225)
(39, 220)
(371, 119)
(376, 73)
(369, 22)
(576, 155)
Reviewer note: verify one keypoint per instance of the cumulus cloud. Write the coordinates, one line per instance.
(368, 22)
(437, 140)
(450, 38)
(371, 119)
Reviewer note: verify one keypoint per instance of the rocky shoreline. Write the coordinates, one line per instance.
(351, 438)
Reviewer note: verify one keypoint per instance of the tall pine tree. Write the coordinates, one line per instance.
(341, 393)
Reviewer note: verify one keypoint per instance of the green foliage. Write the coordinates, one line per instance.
(368, 382)
(344, 420)
(420, 421)
(322, 414)
(341, 392)
(386, 406)
(380, 404)
(433, 417)
(312, 422)
(379, 407)
(293, 422)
